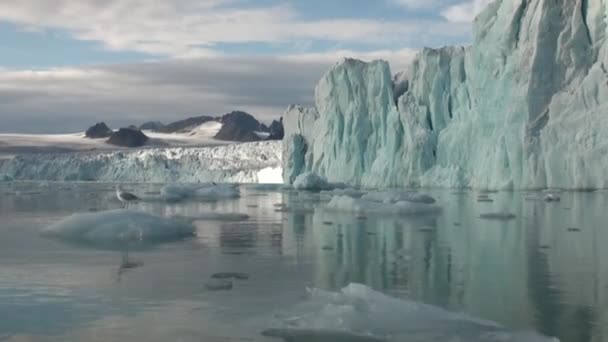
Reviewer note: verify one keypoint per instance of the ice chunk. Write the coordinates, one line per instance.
(118, 228)
(201, 192)
(360, 311)
(313, 182)
(552, 198)
(362, 206)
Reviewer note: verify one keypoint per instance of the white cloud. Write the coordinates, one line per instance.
(71, 99)
(465, 12)
(189, 28)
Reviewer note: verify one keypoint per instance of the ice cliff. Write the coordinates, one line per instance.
(525, 106)
(237, 163)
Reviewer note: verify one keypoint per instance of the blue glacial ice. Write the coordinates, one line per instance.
(523, 107)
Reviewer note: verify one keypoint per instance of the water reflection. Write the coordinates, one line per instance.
(546, 270)
(528, 273)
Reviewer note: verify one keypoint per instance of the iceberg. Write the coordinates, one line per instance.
(523, 107)
(235, 163)
(360, 313)
(117, 229)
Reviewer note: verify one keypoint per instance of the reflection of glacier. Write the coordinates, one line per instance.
(239, 163)
(524, 106)
(529, 273)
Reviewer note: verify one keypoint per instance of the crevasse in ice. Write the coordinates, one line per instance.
(526, 106)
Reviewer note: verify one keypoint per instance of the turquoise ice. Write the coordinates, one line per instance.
(525, 106)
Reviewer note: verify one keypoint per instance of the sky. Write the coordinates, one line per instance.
(66, 64)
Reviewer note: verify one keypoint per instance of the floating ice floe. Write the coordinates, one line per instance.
(120, 228)
(398, 207)
(551, 197)
(204, 192)
(358, 313)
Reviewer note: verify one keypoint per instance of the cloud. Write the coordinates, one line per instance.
(465, 12)
(417, 4)
(71, 99)
(188, 28)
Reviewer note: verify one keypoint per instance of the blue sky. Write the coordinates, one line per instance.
(52, 51)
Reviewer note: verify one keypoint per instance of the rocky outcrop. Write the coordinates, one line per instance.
(98, 131)
(127, 137)
(152, 126)
(239, 126)
(276, 130)
(186, 125)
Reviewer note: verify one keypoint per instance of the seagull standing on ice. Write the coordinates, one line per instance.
(125, 197)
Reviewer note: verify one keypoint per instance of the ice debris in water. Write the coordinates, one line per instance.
(313, 182)
(385, 203)
(398, 196)
(344, 192)
(202, 192)
(552, 198)
(118, 228)
(359, 312)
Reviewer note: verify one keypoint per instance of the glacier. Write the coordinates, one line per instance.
(524, 107)
(235, 163)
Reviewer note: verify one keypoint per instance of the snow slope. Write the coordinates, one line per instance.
(238, 163)
(202, 135)
(526, 106)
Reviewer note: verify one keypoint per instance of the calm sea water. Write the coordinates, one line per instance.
(546, 270)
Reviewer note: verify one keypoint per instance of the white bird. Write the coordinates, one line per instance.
(125, 197)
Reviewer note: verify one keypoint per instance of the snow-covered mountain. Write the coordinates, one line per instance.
(526, 106)
(201, 135)
(235, 163)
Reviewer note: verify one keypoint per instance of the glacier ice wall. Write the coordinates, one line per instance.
(525, 106)
(236, 163)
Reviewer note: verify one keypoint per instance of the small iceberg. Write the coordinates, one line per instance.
(200, 192)
(313, 182)
(117, 229)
